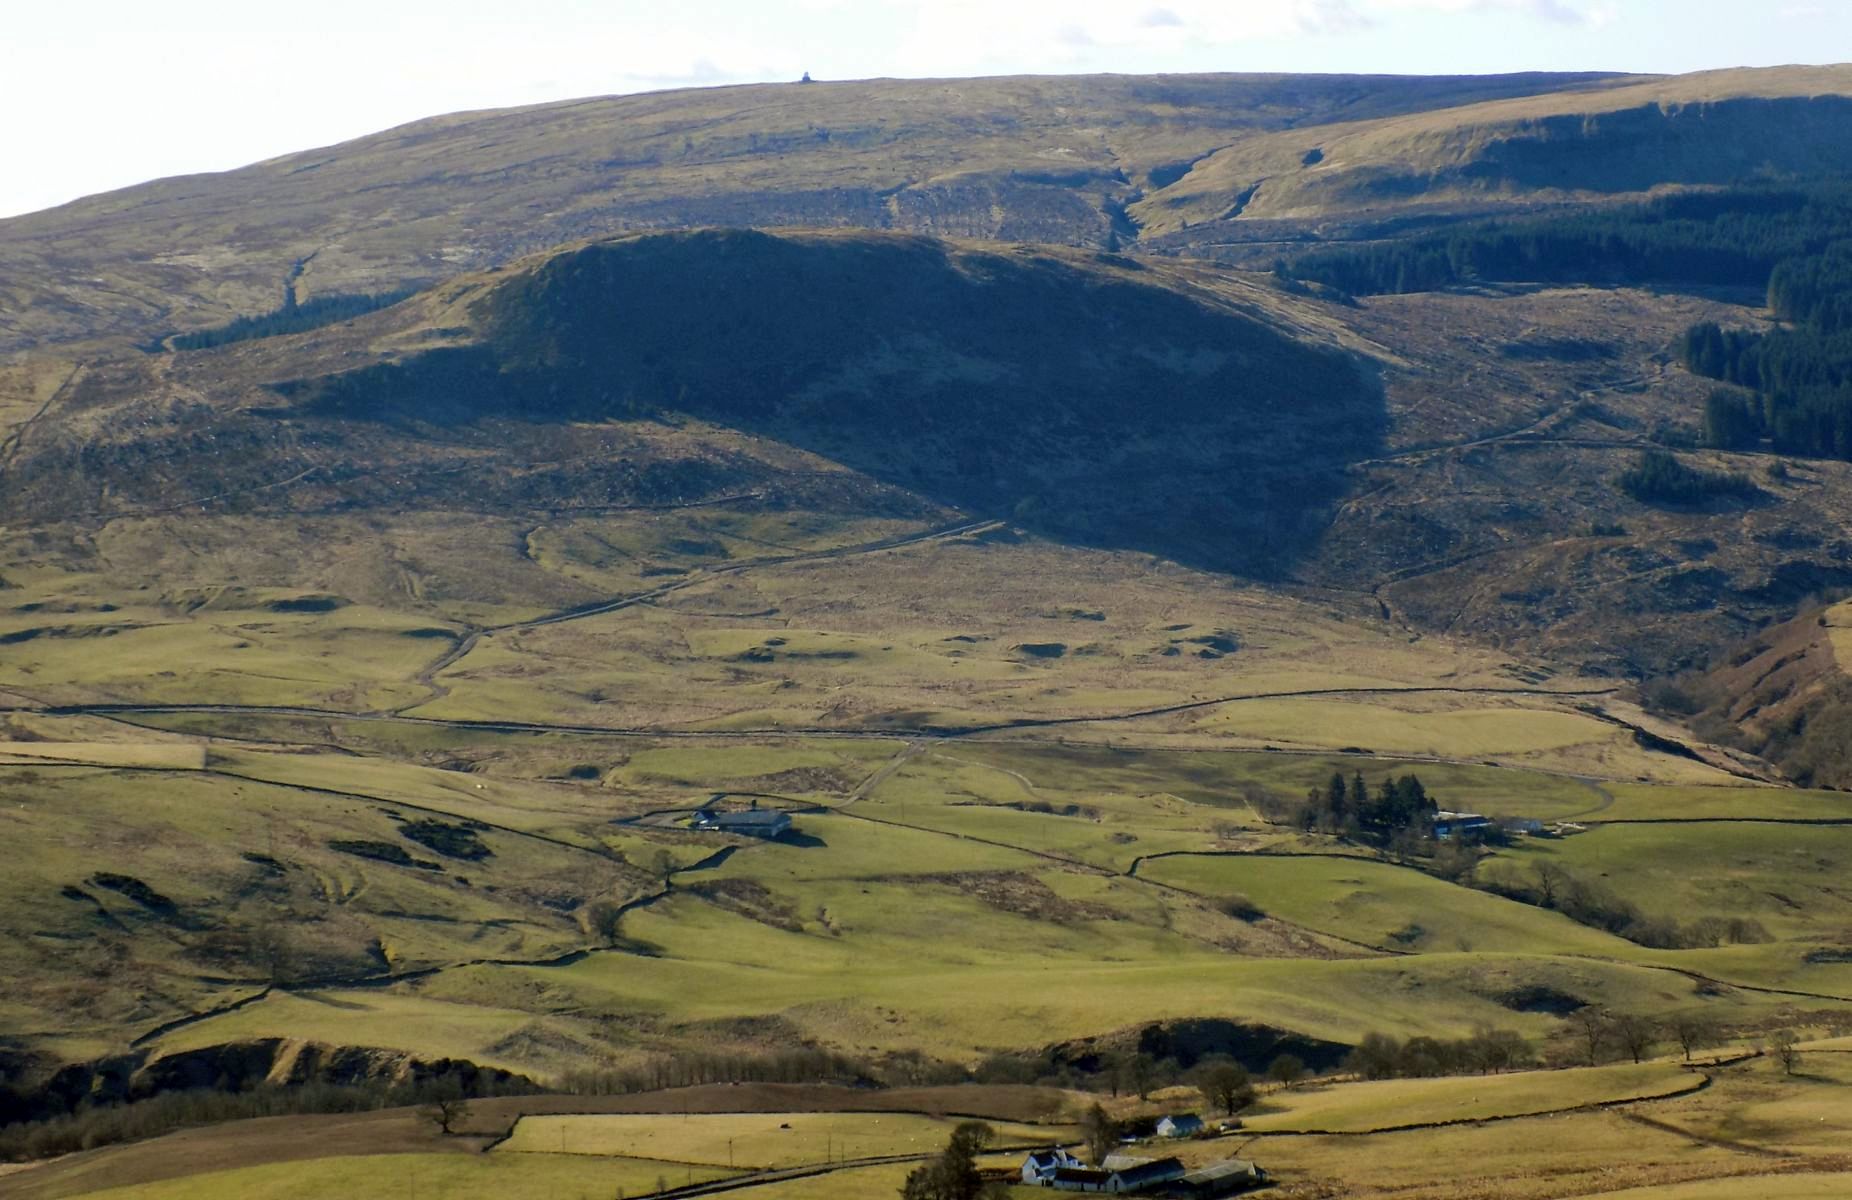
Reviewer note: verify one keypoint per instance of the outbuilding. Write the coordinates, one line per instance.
(1463, 825)
(1080, 1179)
(1038, 1170)
(1221, 1179)
(766, 823)
(1185, 1125)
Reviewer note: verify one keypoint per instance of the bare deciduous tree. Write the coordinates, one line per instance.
(1692, 1031)
(1550, 880)
(446, 1105)
(1784, 1044)
(1635, 1033)
(1591, 1026)
(1224, 1084)
(1101, 1132)
(1286, 1070)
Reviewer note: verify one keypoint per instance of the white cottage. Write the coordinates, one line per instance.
(1187, 1125)
(1038, 1170)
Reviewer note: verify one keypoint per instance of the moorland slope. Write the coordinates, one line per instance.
(1589, 144)
(1018, 159)
(362, 678)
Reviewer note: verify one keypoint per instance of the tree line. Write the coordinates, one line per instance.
(1657, 477)
(1486, 1052)
(1737, 237)
(801, 1065)
(290, 318)
(91, 1126)
(1795, 381)
(1791, 241)
(1351, 808)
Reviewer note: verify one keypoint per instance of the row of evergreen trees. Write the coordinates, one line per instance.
(290, 318)
(1796, 380)
(1350, 806)
(1657, 477)
(1735, 238)
(1796, 242)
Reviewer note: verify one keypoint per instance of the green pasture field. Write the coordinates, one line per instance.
(171, 756)
(755, 1140)
(855, 1184)
(226, 860)
(1365, 1107)
(1390, 907)
(1219, 777)
(1534, 1158)
(1639, 802)
(876, 936)
(949, 794)
(476, 1027)
(960, 1001)
(1808, 1112)
(1510, 730)
(811, 767)
(1790, 878)
(82, 637)
(618, 555)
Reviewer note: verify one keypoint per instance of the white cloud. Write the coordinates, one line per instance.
(1563, 12)
(942, 30)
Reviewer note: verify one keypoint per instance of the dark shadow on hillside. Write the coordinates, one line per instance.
(1080, 398)
(1722, 143)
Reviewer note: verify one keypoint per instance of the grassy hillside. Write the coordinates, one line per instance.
(1656, 1131)
(1196, 414)
(1086, 396)
(1017, 159)
(359, 680)
(1709, 129)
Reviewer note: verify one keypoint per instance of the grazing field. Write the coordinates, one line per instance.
(1751, 1132)
(1512, 731)
(1787, 877)
(169, 756)
(1539, 1158)
(853, 1184)
(1635, 802)
(179, 885)
(1661, 1132)
(1029, 783)
(1391, 1104)
(757, 1141)
(1390, 907)
(1090, 603)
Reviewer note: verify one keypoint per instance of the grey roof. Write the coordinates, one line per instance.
(757, 816)
(1222, 1170)
(1163, 1168)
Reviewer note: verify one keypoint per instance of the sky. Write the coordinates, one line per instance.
(101, 94)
